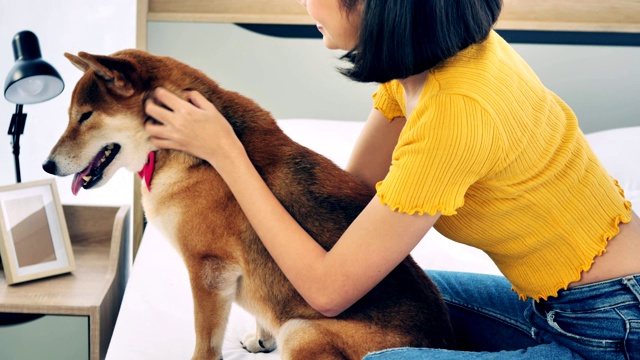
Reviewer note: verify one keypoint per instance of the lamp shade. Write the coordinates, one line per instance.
(31, 80)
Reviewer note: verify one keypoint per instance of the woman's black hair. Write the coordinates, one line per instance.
(400, 38)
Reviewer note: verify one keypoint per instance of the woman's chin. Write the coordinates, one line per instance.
(330, 44)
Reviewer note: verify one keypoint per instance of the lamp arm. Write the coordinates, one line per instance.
(16, 128)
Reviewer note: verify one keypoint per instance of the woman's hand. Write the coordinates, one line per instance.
(193, 125)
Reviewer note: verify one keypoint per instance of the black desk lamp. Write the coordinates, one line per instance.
(30, 81)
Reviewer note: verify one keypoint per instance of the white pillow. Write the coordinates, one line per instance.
(619, 152)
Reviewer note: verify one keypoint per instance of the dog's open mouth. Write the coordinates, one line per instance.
(92, 174)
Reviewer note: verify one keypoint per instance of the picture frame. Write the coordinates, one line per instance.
(34, 238)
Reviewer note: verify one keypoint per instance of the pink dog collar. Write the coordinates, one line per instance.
(147, 171)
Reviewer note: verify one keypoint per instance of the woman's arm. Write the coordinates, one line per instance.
(371, 155)
(375, 243)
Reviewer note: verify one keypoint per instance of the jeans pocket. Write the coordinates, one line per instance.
(598, 329)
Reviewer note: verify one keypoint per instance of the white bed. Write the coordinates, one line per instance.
(156, 318)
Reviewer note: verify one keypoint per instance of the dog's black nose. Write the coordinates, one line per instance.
(50, 167)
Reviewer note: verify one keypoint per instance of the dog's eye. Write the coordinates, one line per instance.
(84, 117)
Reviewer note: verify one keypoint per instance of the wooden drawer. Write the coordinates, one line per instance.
(51, 337)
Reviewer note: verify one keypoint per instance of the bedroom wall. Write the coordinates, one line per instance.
(296, 78)
(98, 26)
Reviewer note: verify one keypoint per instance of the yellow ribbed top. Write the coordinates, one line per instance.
(502, 158)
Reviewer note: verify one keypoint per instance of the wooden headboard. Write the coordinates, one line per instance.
(546, 15)
(620, 16)
(587, 16)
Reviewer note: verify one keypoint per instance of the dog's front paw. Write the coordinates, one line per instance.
(255, 345)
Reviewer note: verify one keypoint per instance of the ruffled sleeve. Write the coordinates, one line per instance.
(387, 100)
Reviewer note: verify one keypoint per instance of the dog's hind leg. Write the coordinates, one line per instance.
(213, 285)
(335, 339)
(260, 341)
(304, 339)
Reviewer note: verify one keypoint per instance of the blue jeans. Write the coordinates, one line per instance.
(594, 321)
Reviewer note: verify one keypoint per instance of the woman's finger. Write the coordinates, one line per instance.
(159, 131)
(164, 144)
(157, 112)
(154, 130)
(167, 98)
(199, 100)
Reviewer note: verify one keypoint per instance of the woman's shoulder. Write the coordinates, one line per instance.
(492, 62)
(494, 75)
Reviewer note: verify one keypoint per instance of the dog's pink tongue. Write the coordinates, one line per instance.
(78, 180)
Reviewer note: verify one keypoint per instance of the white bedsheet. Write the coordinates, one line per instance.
(156, 318)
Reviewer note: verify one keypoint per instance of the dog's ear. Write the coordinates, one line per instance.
(77, 62)
(115, 72)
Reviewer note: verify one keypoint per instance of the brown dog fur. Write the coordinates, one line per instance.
(225, 259)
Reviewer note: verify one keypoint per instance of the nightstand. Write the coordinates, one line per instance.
(71, 316)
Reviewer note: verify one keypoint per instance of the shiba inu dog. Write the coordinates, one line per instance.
(187, 199)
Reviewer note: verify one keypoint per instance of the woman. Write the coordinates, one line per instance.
(463, 136)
